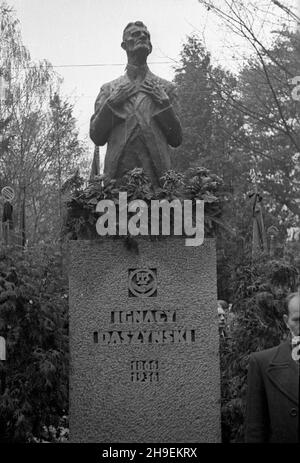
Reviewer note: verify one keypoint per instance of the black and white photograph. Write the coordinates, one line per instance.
(150, 225)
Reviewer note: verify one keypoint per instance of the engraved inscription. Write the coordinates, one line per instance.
(142, 316)
(144, 371)
(120, 335)
(177, 336)
(142, 282)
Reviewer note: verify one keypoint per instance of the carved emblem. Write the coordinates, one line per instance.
(142, 282)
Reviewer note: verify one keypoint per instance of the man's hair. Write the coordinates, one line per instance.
(223, 304)
(136, 23)
(288, 300)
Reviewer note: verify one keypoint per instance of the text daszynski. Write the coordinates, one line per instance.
(176, 336)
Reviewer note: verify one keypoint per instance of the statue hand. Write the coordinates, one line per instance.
(157, 92)
(122, 93)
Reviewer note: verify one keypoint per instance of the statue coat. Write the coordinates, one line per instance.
(137, 116)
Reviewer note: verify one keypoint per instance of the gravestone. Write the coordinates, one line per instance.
(144, 342)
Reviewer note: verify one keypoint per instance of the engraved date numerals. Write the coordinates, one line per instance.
(144, 371)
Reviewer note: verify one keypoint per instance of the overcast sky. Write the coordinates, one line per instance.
(74, 35)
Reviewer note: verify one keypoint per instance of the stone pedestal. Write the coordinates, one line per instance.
(144, 342)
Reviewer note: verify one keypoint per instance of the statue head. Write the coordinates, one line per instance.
(136, 40)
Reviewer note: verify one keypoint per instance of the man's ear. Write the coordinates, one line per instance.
(285, 319)
(123, 45)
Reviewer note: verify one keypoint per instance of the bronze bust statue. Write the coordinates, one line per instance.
(135, 114)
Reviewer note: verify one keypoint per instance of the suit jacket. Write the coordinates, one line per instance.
(273, 396)
(159, 128)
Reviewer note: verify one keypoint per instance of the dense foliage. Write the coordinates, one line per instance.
(34, 322)
(39, 142)
(245, 129)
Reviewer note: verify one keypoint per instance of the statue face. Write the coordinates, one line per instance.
(137, 39)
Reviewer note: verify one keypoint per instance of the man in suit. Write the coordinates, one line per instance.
(273, 386)
(135, 114)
